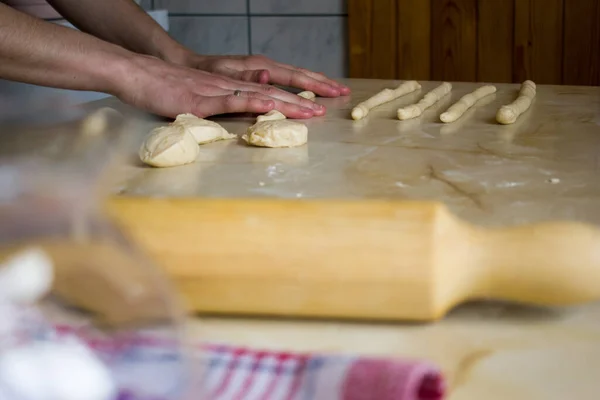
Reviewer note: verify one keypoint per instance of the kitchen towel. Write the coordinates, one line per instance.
(237, 373)
(154, 365)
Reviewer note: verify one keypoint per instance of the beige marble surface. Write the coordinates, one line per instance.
(486, 173)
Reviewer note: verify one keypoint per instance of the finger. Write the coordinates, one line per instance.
(345, 90)
(275, 93)
(291, 98)
(295, 78)
(250, 75)
(207, 106)
(288, 109)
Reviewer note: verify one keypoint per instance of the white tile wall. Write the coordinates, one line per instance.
(146, 4)
(297, 7)
(203, 6)
(307, 33)
(212, 35)
(316, 43)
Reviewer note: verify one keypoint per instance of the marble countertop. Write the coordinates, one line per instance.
(544, 167)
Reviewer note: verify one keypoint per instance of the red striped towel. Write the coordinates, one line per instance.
(236, 373)
(151, 366)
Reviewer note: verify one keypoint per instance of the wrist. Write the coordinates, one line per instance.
(178, 55)
(121, 72)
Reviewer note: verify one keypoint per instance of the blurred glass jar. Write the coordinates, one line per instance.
(81, 309)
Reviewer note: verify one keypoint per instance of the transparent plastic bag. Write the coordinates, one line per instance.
(106, 302)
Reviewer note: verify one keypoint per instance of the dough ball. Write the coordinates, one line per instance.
(307, 95)
(281, 133)
(203, 130)
(272, 115)
(97, 122)
(169, 146)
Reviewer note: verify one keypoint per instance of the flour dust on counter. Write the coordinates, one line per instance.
(177, 143)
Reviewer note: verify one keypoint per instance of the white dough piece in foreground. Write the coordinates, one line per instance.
(26, 277)
(272, 115)
(386, 95)
(307, 94)
(203, 130)
(432, 97)
(97, 122)
(169, 146)
(509, 113)
(456, 110)
(55, 371)
(282, 133)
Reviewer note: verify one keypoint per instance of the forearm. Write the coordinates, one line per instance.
(121, 22)
(42, 53)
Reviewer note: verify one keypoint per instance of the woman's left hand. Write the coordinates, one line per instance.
(260, 69)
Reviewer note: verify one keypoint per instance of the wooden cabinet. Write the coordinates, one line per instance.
(548, 41)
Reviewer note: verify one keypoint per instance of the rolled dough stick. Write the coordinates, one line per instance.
(280, 133)
(414, 110)
(386, 95)
(456, 110)
(307, 95)
(509, 113)
(272, 115)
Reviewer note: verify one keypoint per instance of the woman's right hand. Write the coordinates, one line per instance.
(167, 90)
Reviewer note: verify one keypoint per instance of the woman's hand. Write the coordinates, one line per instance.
(260, 69)
(167, 89)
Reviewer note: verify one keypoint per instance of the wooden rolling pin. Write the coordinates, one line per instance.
(365, 259)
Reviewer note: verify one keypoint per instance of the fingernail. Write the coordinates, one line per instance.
(318, 106)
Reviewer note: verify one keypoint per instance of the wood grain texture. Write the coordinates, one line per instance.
(495, 41)
(414, 39)
(383, 39)
(538, 48)
(355, 259)
(581, 65)
(454, 45)
(359, 37)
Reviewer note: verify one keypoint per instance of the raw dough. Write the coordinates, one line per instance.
(281, 133)
(509, 113)
(414, 110)
(203, 130)
(456, 110)
(177, 143)
(272, 115)
(97, 122)
(307, 95)
(386, 95)
(169, 146)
